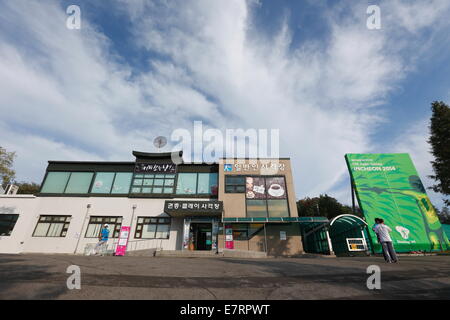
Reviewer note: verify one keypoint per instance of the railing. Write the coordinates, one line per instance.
(133, 245)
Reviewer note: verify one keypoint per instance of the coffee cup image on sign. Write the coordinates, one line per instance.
(403, 232)
(276, 190)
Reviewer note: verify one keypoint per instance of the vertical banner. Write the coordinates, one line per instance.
(388, 186)
(123, 241)
(229, 243)
(215, 231)
(186, 230)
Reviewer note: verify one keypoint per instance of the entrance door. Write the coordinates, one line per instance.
(201, 236)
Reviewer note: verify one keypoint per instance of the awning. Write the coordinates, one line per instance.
(277, 220)
(198, 208)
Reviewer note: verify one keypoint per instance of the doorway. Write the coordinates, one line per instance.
(200, 236)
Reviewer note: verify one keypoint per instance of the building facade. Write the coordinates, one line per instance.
(237, 204)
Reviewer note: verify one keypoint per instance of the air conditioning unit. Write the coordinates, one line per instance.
(11, 189)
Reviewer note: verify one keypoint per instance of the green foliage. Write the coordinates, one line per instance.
(324, 206)
(28, 188)
(7, 174)
(440, 144)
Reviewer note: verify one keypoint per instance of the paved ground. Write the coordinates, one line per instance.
(44, 277)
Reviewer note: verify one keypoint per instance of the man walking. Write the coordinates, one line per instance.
(382, 232)
(103, 238)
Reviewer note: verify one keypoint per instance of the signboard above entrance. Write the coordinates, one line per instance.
(185, 208)
(155, 168)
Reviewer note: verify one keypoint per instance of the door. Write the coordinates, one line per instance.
(202, 236)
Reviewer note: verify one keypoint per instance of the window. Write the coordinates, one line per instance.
(207, 183)
(187, 183)
(153, 183)
(278, 208)
(52, 226)
(152, 228)
(96, 225)
(79, 182)
(7, 223)
(122, 183)
(266, 197)
(256, 208)
(103, 182)
(197, 183)
(234, 184)
(245, 231)
(55, 182)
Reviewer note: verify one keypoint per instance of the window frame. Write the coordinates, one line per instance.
(112, 234)
(157, 223)
(152, 186)
(234, 185)
(12, 222)
(266, 200)
(67, 220)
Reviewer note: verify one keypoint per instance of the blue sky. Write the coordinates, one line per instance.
(139, 69)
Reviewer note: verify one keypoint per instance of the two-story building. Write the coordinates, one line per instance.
(237, 204)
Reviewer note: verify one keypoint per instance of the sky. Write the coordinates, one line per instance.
(140, 69)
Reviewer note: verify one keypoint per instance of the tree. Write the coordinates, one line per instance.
(7, 174)
(324, 206)
(28, 188)
(444, 215)
(440, 145)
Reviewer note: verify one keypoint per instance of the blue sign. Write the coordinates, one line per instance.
(227, 167)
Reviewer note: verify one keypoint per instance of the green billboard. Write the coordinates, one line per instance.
(387, 186)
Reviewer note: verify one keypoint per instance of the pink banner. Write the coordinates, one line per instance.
(229, 243)
(123, 241)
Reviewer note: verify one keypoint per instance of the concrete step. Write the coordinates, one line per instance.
(141, 253)
(187, 253)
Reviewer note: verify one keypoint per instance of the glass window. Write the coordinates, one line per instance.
(122, 183)
(79, 182)
(103, 182)
(7, 223)
(187, 183)
(52, 226)
(234, 184)
(278, 208)
(256, 208)
(152, 228)
(96, 224)
(55, 182)
(207, 183)
(153, 183)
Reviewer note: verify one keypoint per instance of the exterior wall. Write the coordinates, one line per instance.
(276, 247)
(234, 203)
(30, 208)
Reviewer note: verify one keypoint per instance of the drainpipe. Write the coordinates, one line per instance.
(330, 246)
(265, 240)
(82, 227)
(131, 223)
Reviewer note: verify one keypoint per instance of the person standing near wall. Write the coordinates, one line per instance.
(103, 238)
(382, 232)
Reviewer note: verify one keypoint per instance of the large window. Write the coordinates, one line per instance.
(111, 182)
(266, 196)
(153, 183)
(152, 228)
(79, 182)
(234, 184)
(96, 224)
(245, 231)
(55, 182)
(52, 226)
(197, 183)
(7, 223)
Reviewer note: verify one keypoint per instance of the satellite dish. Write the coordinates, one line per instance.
(160, 142)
